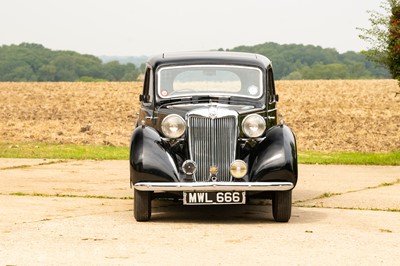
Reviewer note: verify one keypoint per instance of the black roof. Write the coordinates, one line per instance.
(209, 57)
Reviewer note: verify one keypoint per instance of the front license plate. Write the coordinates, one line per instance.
(210, 198)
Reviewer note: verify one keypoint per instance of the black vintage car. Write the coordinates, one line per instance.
(208, 133)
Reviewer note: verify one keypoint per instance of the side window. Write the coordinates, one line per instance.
(148, 87)
(271, 86)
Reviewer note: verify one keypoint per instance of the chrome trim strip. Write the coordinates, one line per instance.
(213, 186)
(212, 111)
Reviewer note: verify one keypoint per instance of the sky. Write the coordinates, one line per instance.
(143, 27)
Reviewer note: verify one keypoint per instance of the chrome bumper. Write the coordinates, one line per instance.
(213, 186)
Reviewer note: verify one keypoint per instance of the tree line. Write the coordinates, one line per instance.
(297, 61)
(33, 62)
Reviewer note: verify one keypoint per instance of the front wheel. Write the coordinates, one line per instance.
(142, 205)
(282, 206)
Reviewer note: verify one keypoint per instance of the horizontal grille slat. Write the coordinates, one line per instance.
(212, 142)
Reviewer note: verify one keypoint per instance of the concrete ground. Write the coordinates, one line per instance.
(80, 212)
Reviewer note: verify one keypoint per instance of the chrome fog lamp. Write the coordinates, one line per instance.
(238, 169)
(173, 126)
(253, 125)
(189, 167)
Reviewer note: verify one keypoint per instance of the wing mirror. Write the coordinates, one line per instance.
(144, 98)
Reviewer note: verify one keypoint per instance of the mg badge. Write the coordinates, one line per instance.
(213, 111)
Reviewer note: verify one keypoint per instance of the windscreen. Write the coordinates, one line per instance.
(212, 80)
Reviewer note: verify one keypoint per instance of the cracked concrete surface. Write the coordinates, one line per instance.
(80, 212)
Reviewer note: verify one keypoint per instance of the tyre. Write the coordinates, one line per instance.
(282, 206)
(142, 205)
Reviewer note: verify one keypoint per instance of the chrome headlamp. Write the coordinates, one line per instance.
(253, 125)
(173, 126)
(238, 169)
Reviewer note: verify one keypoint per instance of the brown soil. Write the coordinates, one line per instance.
(325, 115)
(343, 115)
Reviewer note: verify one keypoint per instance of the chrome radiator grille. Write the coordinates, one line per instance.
(212, 142)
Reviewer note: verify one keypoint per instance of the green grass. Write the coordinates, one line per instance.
(63, 151)
(85, 152)
(356, 158)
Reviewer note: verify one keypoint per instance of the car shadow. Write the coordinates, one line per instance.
(228, 214)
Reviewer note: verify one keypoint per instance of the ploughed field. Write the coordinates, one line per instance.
(362, 115)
